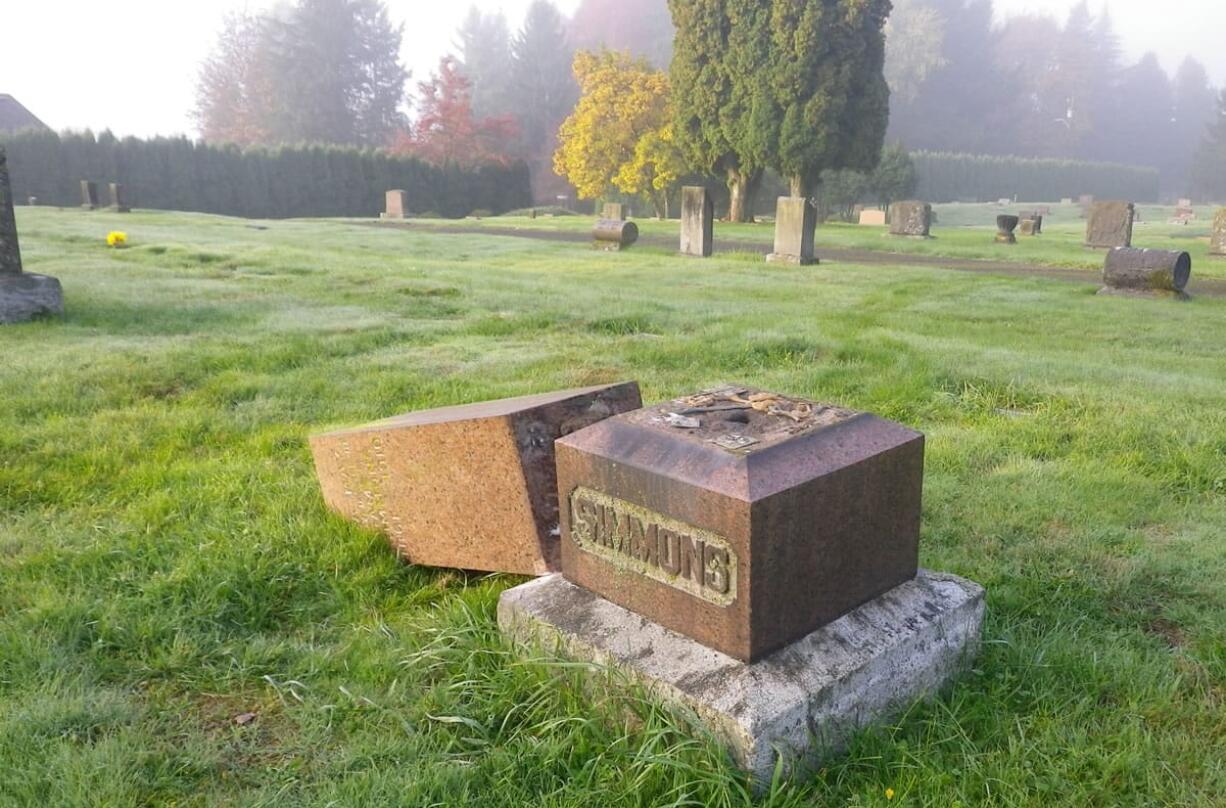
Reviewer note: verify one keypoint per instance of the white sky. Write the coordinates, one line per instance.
(130, 65)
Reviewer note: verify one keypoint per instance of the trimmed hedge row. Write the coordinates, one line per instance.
(269, 183)
(945, 177)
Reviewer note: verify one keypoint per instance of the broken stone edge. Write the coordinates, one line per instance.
(804, 702)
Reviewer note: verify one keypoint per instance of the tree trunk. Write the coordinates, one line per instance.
(741, 189)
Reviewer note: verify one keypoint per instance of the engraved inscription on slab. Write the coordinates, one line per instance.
(640, 541)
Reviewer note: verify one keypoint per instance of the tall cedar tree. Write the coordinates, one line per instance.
(1194, 108)
(483, 45)
(322, 71)
(446, 132)
(828, 87)
(1209, 165)
(720, 96)
(543, 90)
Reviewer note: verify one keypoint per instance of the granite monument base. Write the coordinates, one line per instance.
(803, 702)
(24, 296)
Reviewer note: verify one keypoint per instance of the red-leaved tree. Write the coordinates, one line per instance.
(446, 131)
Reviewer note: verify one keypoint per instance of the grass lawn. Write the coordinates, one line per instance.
(962, 231)
(166, 563)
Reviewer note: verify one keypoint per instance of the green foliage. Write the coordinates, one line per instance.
(258, 182)
(945, 177)
(1209, 166)
(167, 563)
(894, 177)
(830, 96)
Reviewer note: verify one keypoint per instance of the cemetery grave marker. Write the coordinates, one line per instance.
(1005, 225)
(697, 222)
(872, 217)
(1134, 272)
(1110, 224)
(1217, 237)
(612, 235)
(396, 204)
(89, 195)
(753, 557)
(613, 210)
(471, 486)
(118, 203)
(913, 219)
(795, 221)
(23, 295)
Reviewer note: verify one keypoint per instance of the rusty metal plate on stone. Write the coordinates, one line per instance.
(472, 486)
(783, 513)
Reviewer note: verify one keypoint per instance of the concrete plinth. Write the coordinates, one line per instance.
(24, 296)
(803, 702)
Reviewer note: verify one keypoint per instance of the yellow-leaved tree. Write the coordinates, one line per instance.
(619, 134)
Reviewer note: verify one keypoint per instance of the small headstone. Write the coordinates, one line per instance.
(1004, 201)
(1185, 203)
(1217, 237)
(873, 217)
(759, 567)
(910, 218)
(89, 195)
(23, 295)
(532, 213)
(1085, 202)
(1110, 224)
(118, 203)
(1184, 214)
(472, 487)
(32, 201)
(795, 221)
(1068, 200)
(697, 222)
(614, 211)
(396, 203)
(1031, 226)
(1005, 225)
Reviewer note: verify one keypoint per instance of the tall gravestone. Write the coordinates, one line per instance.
(697, 222)
(795, 221)
(613, 211)
(23, 295)
(1110, 224)
(119, 203)
(89, 195)
(753, 557)
(396, 203)
(911, 218)
(1217, 238)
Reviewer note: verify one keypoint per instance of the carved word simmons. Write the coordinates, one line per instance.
(635, 539)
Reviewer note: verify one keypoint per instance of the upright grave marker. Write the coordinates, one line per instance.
(118, 203)
(473, 486)
(913, 219)
(89, 195)
(795, 221)
(872, 217)
(1217, 237)
(1110, 224)
(395, 204)
(23, 295)
(614, 211)
(697, 222)
(754, 557)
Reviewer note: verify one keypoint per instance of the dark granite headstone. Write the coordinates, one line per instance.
(697, 222)
(1110, 224)
(910, 219)
(795, 221)
(742, 519)
(23, 295)
(118, 203)
(89, 195)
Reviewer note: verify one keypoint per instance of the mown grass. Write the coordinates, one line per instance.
(963, 231)
(166, 563)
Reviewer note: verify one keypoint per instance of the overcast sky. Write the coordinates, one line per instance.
(130, 65)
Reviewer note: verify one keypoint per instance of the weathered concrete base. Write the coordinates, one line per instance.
(803, 702)
(1163, 294)
(24, 296)
(795, 260)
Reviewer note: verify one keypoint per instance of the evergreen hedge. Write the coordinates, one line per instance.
(176, 173)
(945, 177)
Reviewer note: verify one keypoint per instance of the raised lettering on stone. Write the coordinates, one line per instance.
(646, 543)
